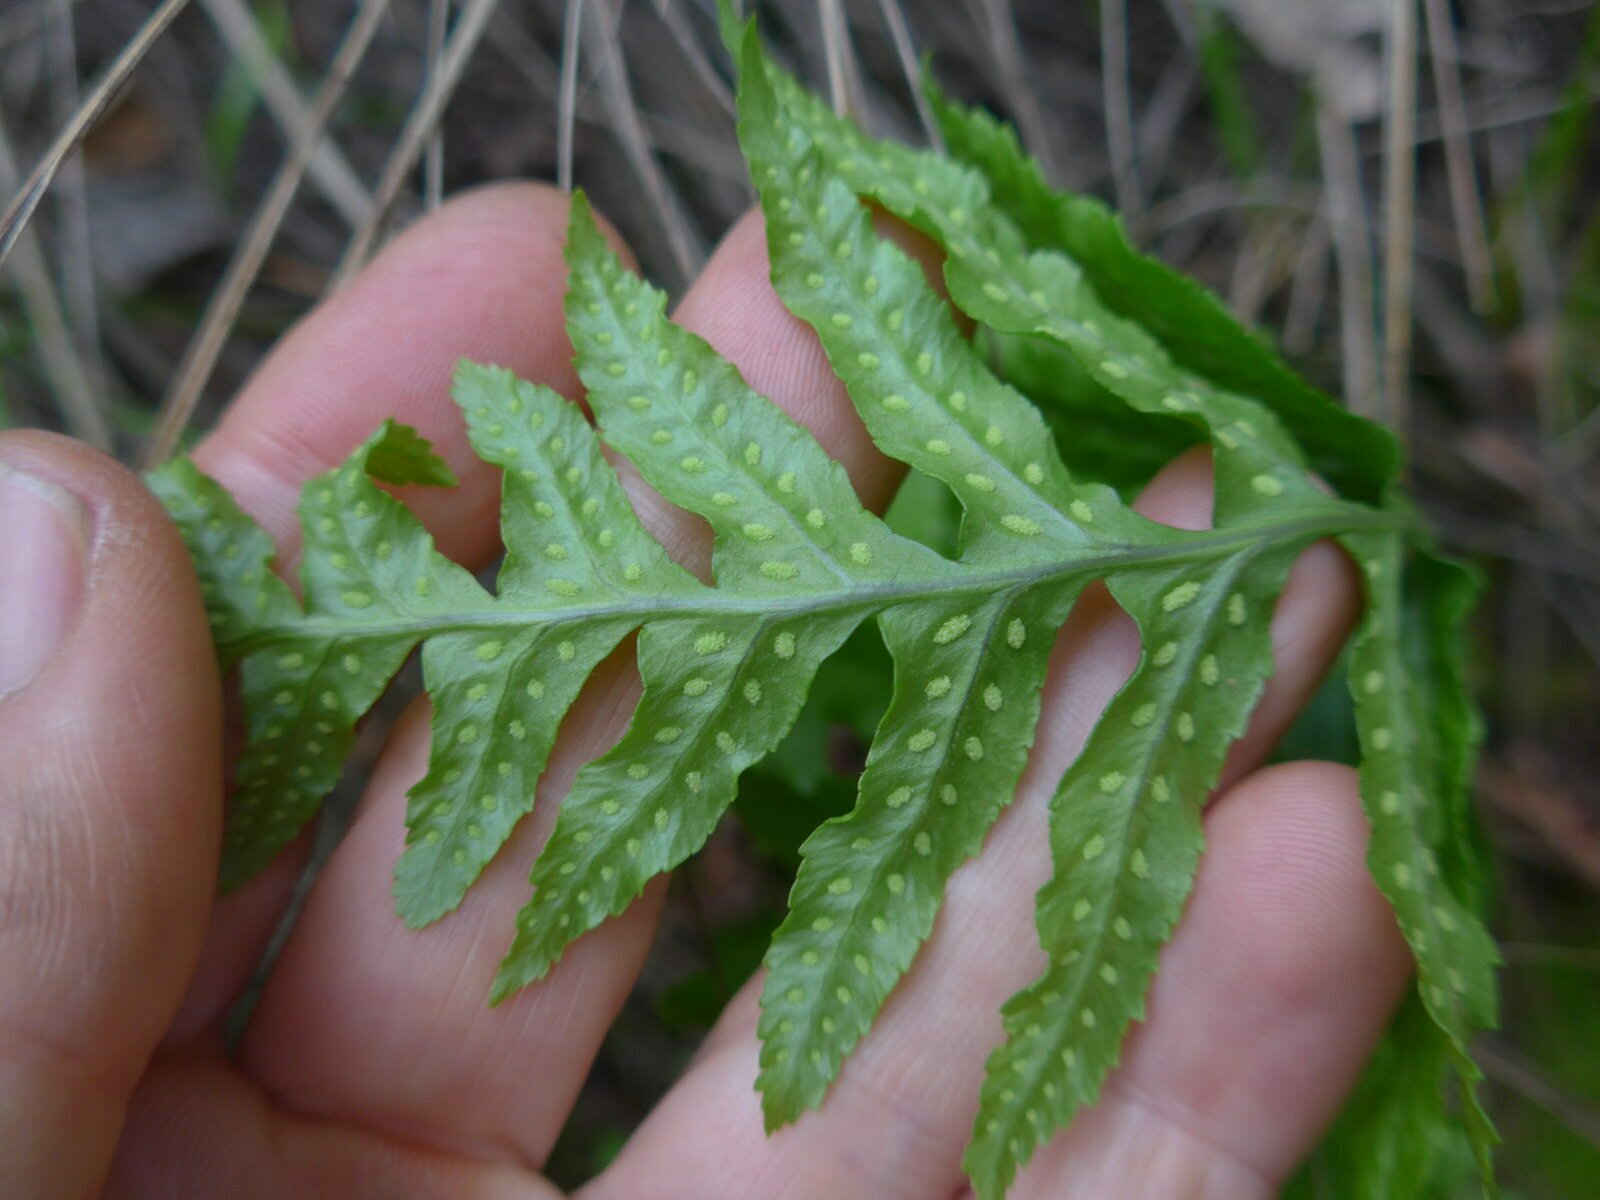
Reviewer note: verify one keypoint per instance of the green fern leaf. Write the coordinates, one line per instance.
(498, 695)
(799, 565)
(307, 675)
(1194, 326)
(1099, 436)
(1056, 274)
(1417, 738)
(797, 559)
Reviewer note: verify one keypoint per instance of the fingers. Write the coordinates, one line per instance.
(482, 278)
(391, 1028)
(895, 1122)
(1267, 1002)
(201, 1131)
(110, 801)
(1269, 999)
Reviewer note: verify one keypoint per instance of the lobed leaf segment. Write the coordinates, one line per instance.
(1127, 345)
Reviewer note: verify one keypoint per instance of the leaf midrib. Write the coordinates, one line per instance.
(715, 602)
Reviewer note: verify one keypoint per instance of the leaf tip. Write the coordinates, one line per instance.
(399, 454)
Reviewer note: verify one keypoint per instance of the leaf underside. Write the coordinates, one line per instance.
(1112, 345)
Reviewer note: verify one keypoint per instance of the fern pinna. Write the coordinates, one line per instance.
(1117, 342)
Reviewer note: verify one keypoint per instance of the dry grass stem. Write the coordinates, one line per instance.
(1399, 210)
(1119, 106)
(1464, 200)
(1309, 289)
(77, 260)
(894, 18)
(998, 25)
(334, 177)
(200, 357)
(74, 391)
(844, 76)
(687, 253)
(26, 200)
(671, 13)
(433, 157)
(567, 107)
(424, 116)
(705, 149)
(1347, 214)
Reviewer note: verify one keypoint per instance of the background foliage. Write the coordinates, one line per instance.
(1244, 142)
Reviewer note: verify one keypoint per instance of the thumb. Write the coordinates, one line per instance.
(110, 801)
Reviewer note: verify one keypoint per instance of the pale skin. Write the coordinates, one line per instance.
(373, 1065)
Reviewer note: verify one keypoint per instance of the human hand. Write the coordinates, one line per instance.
(372, 1065)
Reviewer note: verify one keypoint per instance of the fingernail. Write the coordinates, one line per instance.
(44, 541)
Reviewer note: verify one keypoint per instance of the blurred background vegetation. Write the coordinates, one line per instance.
(1401, 195)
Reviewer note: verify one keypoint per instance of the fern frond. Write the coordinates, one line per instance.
(1056, 278)
(799, 565)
